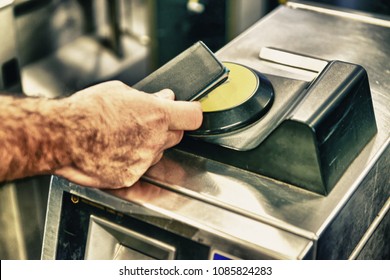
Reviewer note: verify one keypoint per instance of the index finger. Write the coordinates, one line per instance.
(184, 115)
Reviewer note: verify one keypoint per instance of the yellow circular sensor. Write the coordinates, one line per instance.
(241, 85)
(244, 98)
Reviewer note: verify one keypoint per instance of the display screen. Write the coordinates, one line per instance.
(218, 256)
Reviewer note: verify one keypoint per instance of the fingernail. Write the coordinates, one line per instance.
(167, 93)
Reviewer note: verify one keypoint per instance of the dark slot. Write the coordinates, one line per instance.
(11, 76)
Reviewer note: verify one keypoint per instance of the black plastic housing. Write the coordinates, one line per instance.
(314, 146)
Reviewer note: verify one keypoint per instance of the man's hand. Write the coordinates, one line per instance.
(105, 136)
(123, 133)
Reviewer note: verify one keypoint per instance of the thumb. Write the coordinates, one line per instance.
(166, 94)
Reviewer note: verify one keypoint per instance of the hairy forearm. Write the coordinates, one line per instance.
(42, 136)
(104, 136)
(85, 132)
(32, 135)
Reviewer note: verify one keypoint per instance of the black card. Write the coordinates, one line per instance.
(191, 74)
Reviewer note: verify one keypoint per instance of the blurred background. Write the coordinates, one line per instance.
(53, 48)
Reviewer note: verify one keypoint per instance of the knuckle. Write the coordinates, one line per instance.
(117, 83)
(164, 118)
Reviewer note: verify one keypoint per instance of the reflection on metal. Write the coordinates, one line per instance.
(9, 62)
(22, 216)
(172, 213)
(80, 53)
(11, 237)
(241, 200)
(107, 241)
(292, 59)
(81, 63)
(348, 15)
(370, 231)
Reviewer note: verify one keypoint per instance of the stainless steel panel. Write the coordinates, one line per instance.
(213, 226)
(22, 217)
(9, 61)
(375, 243)
(109, 241)
(77, 55)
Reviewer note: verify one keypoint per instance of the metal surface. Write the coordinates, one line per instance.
(107, 241)
(248, 215)
(78, 55)
(380, 226)
(9, 62)
(79, 64)
(210, 224)
(22, 217)
(293, 60)
(22, 202)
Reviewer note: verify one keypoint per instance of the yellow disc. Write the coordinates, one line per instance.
(239, 87)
